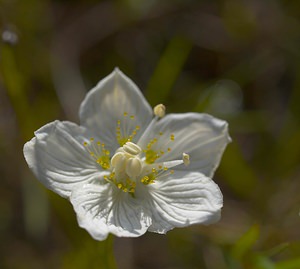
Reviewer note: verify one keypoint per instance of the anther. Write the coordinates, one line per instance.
(133, 167)
(131, 148)
(186, 159)
(118, 160)
(159, 110)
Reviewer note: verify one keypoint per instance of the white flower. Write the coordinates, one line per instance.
(127, 168)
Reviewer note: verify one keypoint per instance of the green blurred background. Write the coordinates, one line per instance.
(238, 60)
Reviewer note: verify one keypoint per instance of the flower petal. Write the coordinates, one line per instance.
(123, 214)
(201, 136)
(183, 199)
(57, 157)
(105, 104)
(94, 226)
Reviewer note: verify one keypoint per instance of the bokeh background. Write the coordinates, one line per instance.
(238, 60)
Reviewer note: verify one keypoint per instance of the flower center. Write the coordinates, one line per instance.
(131, 165)
(126, 166)
(126, 160)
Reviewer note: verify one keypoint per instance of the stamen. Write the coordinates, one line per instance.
(159, 110)
(131, 148)
(134, 167)
(186, 159)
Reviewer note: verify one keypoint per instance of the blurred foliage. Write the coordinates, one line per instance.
(238, 60)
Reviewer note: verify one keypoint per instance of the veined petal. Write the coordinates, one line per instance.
(57, 157)
(201, 136)
(122, 214)
(106, 103)
(184, 199)
(94, 226)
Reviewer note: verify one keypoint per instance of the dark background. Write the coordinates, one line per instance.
(237, 60)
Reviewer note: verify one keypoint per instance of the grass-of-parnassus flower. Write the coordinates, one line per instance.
(128, 168)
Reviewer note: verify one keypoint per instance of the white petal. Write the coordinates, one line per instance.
(105, 104)
(184, 199)
(95, 226)
(123, 214)
(201, 136)
(57, 157)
